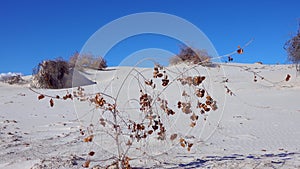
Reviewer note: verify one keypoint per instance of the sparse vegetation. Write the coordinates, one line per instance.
(155, 108)
(81, 61)
(292, 47)
(189, 55)
(12, 79)
(50, 74)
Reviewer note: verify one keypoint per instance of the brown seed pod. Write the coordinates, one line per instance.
(170, 111)
(92, 153)
(86, 164)
(173, 137)
(155, 127)
(159, 75)
(202, 112)
(200, 92)
(240, 50)
(51, 102)
(150, 132)
(197, 80)
(288, 76)
(149, 83)
(207, 109)
(41, 96)
(193, 124)
(208, 102)
(88, 139)
(165, 82)
(179, 104)
(194, 117)
(208, 97)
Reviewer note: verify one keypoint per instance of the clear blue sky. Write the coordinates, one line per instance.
(35, 30)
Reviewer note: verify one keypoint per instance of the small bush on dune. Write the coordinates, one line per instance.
(190, 55)
(50, 74)
(87, 61)
(292, 47)
(12, 78)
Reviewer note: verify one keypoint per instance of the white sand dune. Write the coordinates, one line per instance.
(255, 127)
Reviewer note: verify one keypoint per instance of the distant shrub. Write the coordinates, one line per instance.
(190, 55)
(50, 74)
(292, 47)
(12, 78)
(82, 61)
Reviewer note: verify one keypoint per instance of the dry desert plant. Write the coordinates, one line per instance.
(50, 74)
(189, 55)
(81, 61)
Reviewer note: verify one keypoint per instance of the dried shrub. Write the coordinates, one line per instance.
(189, 55)
(292, 48)
(14, 79)
(82, 61)
(50, 74)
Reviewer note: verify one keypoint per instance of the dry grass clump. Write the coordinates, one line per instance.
(189, 55)
(81, 61)
(15, 79)
(50, 74)
(292, 47)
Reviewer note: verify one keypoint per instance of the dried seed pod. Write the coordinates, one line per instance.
(189, 146)
(208, 97)
(208, 102)
(149, 83)
(173, 137)
(200, 92)
(207, 109)
(86, 164)
(240, 50)
(159, 75)
(179, 104)
(92, 153)
(197, 80)
(170, 111)
(155, 127)
(194, 117)
(129, 143)
(288, 76)
(193, 124)
(88, 139)
(150, 132)
(102, 122)
(51, 102)
(202, 112)
(41, 96)
(165, 82)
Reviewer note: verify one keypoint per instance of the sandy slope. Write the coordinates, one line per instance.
(255, 127)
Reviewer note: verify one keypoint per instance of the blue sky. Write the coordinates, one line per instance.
(35, 30)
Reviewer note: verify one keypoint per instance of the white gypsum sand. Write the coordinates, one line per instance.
(255, 126)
